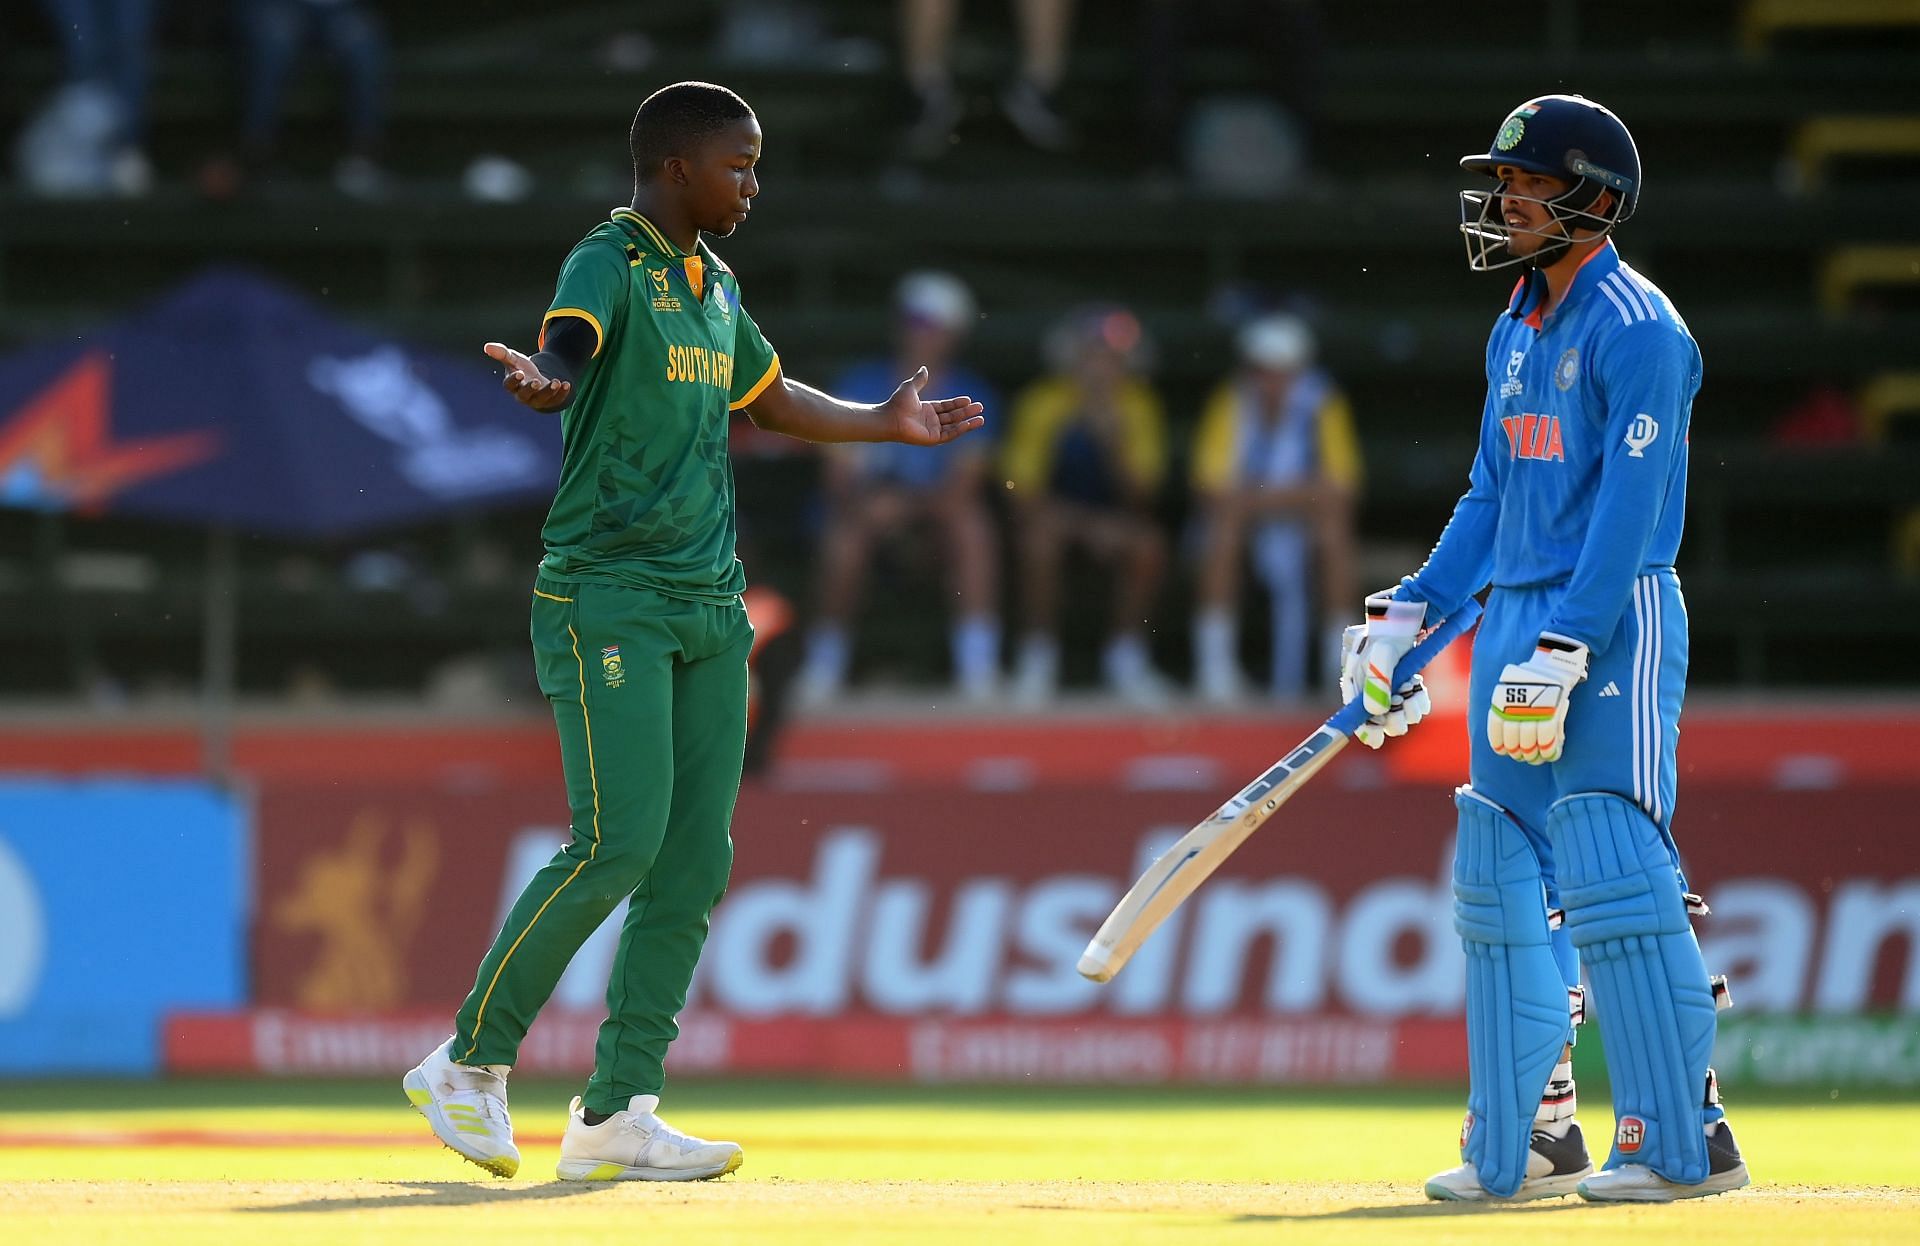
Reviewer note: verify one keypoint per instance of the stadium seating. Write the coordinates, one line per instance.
(1764, 19)
(1849, 270)
(1770, 282)
(1819, 142)
(1885, 397)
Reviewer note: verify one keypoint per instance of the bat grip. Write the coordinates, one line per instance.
(1354, 712)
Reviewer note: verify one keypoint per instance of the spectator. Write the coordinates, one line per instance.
(1027, 100)
(874, 489)
(90, 137)
(352, 32)
(1084, 465)
(1275, 471)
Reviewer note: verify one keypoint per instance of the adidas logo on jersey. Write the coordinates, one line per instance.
(1611, 690)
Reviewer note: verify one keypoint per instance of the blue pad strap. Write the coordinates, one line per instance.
(1517, 1020)
(1621, 890)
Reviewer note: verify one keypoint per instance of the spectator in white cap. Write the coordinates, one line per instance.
(889, 496)
(1276, 474)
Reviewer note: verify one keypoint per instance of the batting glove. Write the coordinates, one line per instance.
(1527, 720)
(1368, 654)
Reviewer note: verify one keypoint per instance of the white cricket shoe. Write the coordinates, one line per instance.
(636, 1145)
(1221, 684)
(1637, 1183)
(1555, 1166)
(817, 687)
(1036, 676)
(1143, 688)
(467, 1107)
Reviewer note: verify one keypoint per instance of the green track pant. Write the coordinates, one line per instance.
(650, 695)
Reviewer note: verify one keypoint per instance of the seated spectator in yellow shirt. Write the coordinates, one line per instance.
(1084, 463)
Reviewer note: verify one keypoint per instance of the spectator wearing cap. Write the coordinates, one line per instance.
(1085, 460)
(875, 490)
(1276, 475)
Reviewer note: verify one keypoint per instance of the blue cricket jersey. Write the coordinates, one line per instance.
(1580, 479)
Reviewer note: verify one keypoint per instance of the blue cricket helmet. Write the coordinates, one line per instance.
(1566, 136)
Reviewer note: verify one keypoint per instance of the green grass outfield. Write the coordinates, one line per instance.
(294, 1163)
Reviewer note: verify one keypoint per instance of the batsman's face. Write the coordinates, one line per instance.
(721, 182)
(1530, 225)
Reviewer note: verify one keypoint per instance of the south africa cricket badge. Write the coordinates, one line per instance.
(610, 668)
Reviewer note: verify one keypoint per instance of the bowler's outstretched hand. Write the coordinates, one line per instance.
(923, 422)
(525, 381)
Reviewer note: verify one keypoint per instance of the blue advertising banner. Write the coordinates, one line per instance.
(119, 901)
(317, 427)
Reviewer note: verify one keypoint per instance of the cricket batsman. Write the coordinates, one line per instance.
(1564, 852)
(640, 637)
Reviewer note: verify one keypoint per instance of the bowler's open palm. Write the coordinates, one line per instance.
(919, 422)
(525, 381)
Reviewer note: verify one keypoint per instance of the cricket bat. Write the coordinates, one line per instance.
(1180, 870)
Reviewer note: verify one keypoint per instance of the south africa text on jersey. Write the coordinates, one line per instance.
(699, 366)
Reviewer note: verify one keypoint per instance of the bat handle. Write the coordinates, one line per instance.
(1455, 625)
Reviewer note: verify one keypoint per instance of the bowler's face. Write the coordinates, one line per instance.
(721, 182)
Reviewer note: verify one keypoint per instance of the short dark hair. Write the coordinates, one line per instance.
(673, 119)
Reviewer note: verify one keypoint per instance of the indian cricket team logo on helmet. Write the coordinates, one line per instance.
(1630, 1134)
(1567, 371)
(610, 667)
(1515, 127)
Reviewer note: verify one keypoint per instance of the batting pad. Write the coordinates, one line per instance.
(1621, 889)
(1517, 1019)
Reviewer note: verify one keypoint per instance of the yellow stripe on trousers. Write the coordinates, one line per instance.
(593, 778)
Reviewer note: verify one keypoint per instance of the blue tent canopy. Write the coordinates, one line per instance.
(236, 402)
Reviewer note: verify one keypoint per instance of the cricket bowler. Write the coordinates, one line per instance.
(639, 635)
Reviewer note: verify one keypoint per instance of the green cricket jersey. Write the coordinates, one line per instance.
(646, 488)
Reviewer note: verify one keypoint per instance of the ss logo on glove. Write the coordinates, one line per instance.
(1528, 716)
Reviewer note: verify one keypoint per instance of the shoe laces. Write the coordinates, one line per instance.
(653, 1129)
(483, 1087)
